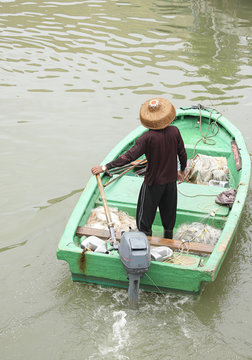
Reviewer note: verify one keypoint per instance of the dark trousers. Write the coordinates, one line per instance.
(152, 197)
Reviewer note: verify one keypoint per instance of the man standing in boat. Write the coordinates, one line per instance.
(161, 146)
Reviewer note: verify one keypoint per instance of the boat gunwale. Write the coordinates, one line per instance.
(217, 257)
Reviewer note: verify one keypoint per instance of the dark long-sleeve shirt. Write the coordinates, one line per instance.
(161, 148)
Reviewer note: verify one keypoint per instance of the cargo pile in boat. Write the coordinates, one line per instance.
(198, 232)
(208, 170)
(121, 220)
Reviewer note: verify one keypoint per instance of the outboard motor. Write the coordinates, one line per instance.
(134, 253)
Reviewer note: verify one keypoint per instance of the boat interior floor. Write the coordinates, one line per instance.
(194, 201)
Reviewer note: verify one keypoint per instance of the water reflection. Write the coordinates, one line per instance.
(58, 199)
(13, 246)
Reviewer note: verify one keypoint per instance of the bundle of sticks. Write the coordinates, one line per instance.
(138, 165)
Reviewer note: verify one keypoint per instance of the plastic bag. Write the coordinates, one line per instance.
(93, 243)
(161, 253)
(226, 198)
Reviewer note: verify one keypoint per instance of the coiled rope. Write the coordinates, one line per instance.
(207, 139)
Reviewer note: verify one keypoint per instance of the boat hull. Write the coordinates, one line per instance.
(194, 271)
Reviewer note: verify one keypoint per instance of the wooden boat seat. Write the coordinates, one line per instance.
(155, 241)
(123, 194)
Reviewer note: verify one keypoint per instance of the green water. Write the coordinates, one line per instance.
(73, 75)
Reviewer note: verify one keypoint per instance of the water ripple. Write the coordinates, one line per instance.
(148, 44)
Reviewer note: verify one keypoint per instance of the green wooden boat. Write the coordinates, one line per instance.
(207, 132)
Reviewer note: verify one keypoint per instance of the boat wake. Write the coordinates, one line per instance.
(118, 341)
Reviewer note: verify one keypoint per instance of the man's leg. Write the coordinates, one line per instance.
(148, 200)
(168, 208)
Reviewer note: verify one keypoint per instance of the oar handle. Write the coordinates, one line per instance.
(107, 212)
(104, 200)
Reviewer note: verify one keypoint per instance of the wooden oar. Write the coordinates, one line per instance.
(107, 212)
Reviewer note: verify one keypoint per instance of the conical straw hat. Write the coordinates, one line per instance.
(157, 113)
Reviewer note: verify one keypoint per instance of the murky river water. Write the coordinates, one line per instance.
(73, 75)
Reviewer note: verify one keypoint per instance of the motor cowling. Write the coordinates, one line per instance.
(135, 256)
(134, 252)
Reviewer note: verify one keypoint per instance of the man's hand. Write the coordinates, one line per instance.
(181, 176)
(97, 170)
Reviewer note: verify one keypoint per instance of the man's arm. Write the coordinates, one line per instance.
(132, 154)
(181, 176)
(181, 152)
(182, 158)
